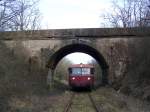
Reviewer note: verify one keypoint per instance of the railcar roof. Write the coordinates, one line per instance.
(82, 65)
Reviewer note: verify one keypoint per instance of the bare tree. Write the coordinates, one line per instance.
(28, 16)
(6, 13)
(129, 13)
(19, 15)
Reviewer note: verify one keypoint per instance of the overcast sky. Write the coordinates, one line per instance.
(79, 57)
(73, 13)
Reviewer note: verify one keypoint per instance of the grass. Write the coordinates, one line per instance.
(109, 101)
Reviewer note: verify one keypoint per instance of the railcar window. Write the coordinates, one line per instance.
(85, 71)
(92, 70)
(76, 71)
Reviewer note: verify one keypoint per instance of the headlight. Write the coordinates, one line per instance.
(89, 78)
(73, 78)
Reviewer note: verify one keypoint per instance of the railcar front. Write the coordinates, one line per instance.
(81, 75)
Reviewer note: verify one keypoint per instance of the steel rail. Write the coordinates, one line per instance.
(93, 103)
(69, 103)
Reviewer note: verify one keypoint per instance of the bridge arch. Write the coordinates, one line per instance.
(77, 47)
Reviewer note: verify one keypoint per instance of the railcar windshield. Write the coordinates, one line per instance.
(85, 71)
(76, 71)
(80, 71)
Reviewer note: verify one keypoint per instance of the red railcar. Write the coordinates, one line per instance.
(81, 75)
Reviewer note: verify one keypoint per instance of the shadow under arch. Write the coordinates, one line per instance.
(62, 52)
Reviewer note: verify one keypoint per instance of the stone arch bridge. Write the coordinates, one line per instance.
(109, 46)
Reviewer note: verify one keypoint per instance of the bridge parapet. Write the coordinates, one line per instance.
(77, 33)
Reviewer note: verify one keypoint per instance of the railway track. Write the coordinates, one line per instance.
(70, 102)
(97, 109)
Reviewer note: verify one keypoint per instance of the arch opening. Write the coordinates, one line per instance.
(58, 55)
(79, 57)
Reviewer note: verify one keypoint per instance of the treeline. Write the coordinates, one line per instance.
(128, 13)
